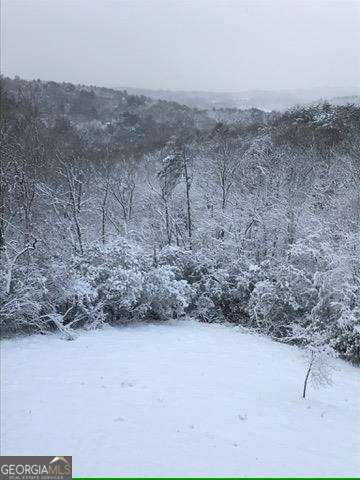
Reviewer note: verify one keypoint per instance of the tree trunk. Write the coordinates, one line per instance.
(104, 214)
(188, 201)
(167, 223)
(307, 376)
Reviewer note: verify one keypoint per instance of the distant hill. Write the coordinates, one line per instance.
(266, 100)
(352, 99)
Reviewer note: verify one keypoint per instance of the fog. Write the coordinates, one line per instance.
(227, 45)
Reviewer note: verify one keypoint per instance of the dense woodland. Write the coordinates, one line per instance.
(118, 208)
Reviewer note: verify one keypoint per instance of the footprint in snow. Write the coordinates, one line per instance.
(127, 384)
(119, 419)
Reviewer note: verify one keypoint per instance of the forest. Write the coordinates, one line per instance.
(117, 208)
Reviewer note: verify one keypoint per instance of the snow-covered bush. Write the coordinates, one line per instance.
(282, 298)
(119, 282)
(164, 296)
(23, 305)
(188, 265)
(229, 289)
(338, 310)
(213, 293)
(109, 279)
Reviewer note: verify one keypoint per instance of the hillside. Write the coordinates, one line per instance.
(148, 213)
(136, 122)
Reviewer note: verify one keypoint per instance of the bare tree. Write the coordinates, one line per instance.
(122, 186)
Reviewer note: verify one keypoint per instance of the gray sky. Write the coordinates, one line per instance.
(217, 45)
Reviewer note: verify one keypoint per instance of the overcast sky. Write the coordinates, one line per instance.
(215, 45)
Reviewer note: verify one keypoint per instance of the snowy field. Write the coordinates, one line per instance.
(177, 399)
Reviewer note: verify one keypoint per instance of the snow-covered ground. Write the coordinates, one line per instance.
(176, 399)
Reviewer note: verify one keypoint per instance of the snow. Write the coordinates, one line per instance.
(180, 398)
